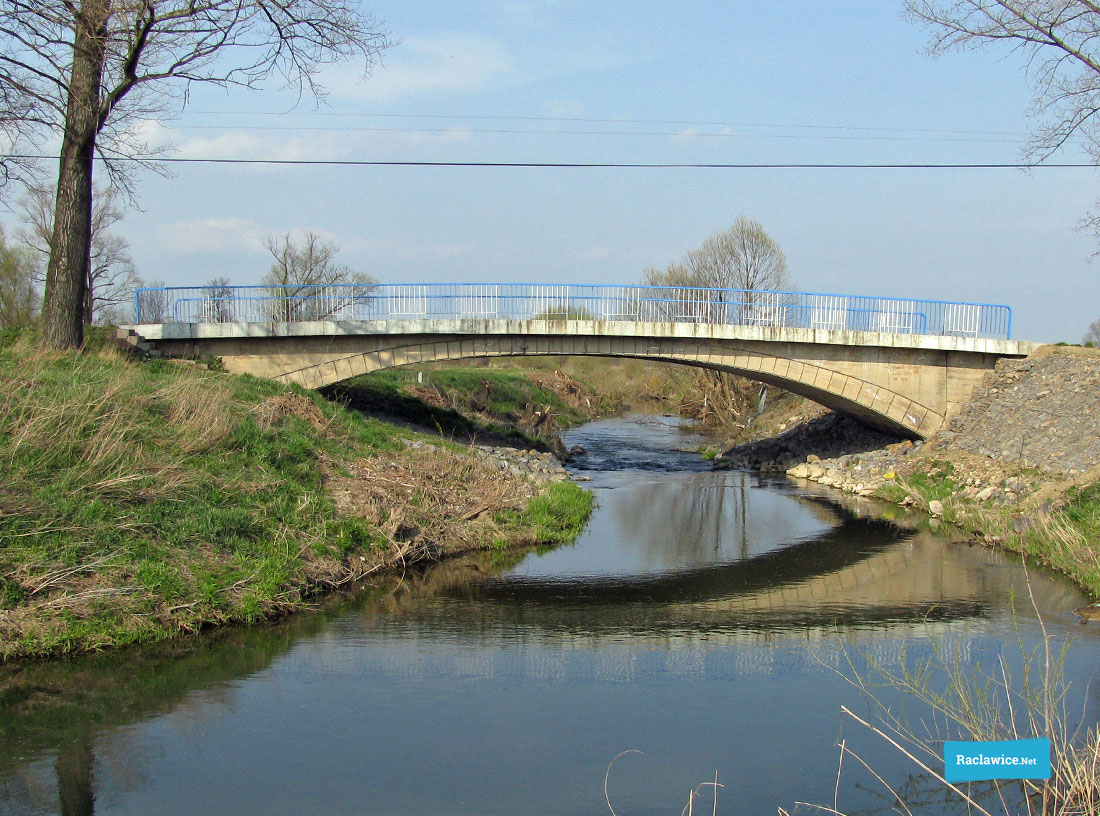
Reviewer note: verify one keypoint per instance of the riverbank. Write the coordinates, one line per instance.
(144, 500)
(478, 404)
(1018, 467)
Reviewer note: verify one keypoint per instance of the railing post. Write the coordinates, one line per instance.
(527, 301)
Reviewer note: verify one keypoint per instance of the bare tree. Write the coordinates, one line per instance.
(17, 116)
(151, 302)
(217, 301)
(1092, 336)
(1061, 40)
(675, 274)
(743, 257)
(306, 282)
(85, 70)
(18, 294)
(111, 278)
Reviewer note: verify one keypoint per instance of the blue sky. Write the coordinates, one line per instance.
(641, 82)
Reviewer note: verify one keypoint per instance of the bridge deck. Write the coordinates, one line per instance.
(473, 327)
(629, 304)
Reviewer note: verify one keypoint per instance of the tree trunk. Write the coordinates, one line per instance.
(70, 252)
(89, 301)
(75, 780)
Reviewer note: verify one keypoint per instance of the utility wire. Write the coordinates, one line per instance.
(598, 165)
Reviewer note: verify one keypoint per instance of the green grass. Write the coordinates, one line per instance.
(1083, 511)
(139, 501)
(1065, 538)
(563, 507)
(468, 401)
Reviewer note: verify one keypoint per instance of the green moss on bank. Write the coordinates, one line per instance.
(141, 501)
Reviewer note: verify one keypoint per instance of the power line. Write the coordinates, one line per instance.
(598, 165)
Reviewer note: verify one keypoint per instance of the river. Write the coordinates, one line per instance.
(706, 620)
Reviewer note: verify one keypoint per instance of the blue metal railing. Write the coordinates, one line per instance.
(519, 301)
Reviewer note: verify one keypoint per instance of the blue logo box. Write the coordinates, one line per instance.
(1006, 759)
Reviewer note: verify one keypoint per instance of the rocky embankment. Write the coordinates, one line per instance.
(542, 466)
(830, 435)
(1028, 434)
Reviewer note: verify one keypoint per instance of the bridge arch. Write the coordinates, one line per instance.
(873, 403)
(904, 383)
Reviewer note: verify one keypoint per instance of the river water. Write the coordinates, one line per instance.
(706, 620)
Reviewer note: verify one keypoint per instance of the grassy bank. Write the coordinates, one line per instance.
(523, 406)
(493, 396)
(139, 501)
(1060, 528)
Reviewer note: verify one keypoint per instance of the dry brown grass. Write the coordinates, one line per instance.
(427, 500)
(105, 423)
(973, 704)
(201, 407)
(276, 408)
(139, 500)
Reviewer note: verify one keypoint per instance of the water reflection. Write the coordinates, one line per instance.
(699, 618)
(810, 567)
(74, 778)
(64, 708)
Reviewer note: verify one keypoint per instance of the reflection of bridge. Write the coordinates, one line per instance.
(869, 590)
(904, 365)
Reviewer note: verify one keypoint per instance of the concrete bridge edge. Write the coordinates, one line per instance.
(869, 402)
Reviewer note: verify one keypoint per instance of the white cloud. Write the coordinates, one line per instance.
(211, 235)
(336, 144)
(217, 235)
(449, 63)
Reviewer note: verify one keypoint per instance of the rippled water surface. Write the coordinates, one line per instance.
(702, 619)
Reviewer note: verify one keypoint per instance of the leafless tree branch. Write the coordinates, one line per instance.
(88, 72)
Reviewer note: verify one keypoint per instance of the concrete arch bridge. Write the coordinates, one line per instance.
(901, 365)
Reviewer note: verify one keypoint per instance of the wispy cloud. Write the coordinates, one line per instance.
(211, 235)
(335, 143)
(447, 63)
(218, 235)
